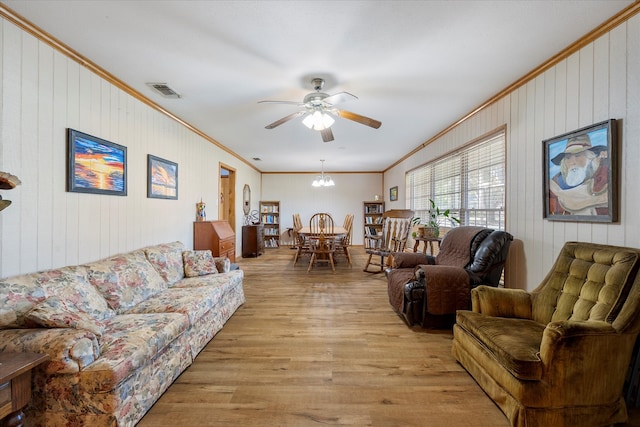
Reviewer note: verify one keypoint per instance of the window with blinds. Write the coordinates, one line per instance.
(469, 182)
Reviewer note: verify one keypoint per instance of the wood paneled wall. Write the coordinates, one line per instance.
(42, 93)
(600, 81)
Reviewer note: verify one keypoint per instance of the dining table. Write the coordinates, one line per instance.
(337, 232)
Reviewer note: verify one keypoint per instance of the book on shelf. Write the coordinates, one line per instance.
(371, 231)
(374, 209)
(269, 219)
(271, 243)
(271, 231)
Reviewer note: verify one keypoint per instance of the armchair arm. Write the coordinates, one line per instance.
(411, 259)
(591, 356)
(501, 302)
(447, 288)
(412, 311)
(70, 350)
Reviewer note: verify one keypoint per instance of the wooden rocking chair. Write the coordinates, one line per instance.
(396, 227)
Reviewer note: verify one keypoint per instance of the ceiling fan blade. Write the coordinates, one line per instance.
(327, 135)
(281, 102)
(285, 119)
(358, 118)
(339, 97)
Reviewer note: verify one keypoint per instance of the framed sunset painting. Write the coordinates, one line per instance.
(162, 178)
(95, 165)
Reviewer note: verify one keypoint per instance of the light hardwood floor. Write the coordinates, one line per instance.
(311, 349)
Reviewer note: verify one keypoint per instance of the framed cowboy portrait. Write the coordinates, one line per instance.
(581, 174)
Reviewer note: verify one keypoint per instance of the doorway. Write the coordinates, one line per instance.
(227, 198)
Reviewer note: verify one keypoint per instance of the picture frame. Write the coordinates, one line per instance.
(95, 165)
(162, 178)
(581, 174)
(393, 193)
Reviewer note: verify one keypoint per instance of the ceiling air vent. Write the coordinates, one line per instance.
(164, 90)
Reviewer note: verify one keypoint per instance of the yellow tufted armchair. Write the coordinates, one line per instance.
(558, 356)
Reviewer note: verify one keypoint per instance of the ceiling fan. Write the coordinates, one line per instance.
(317, 105)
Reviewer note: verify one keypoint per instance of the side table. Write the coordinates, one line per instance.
(15, 385)
(428, 241)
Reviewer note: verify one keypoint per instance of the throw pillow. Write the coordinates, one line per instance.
(55, 312)
(223, 264)
(125, 280)
(166, 258)
(198, 263)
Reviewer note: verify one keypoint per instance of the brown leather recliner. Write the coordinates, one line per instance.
(428, 290)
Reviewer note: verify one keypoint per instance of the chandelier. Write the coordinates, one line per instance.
(322, 180)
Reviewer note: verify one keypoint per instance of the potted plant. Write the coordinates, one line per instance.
(415, 224)
(436, 216)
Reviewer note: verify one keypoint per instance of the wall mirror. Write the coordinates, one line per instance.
(246, 199)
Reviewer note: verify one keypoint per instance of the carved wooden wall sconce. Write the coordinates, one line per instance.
(7, 182)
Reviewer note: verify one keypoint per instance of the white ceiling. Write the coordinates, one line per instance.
(417, 66)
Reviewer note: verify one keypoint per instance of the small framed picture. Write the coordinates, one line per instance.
(162, 178)
(393, 193)
(581, 175)
(95, 165)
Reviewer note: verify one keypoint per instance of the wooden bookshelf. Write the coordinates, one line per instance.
(270, 218)
(372, 216)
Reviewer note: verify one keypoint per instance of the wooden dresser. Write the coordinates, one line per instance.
(217, 236)
(252, 241)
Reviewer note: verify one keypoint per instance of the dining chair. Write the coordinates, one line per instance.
(322, 242)
(343, 242)
(302, 245)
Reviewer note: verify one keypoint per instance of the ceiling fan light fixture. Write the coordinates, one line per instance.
(318, 120)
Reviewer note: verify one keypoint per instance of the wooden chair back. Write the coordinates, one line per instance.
(321, 240)
(321, 224)
(297, 222)
(348, 225)
(396, 227)
(301, 244)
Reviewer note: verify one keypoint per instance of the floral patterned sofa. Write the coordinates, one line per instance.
(118, 331)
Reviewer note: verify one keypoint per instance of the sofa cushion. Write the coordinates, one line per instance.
(19, 294)
(55, 312)
(518, 353)
(130, 341)
(125, 280)
(80, 292)
(198, 263)
(192, 302)
(167, 260)
(224, 280)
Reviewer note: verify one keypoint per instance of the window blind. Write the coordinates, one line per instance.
(469, 182)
